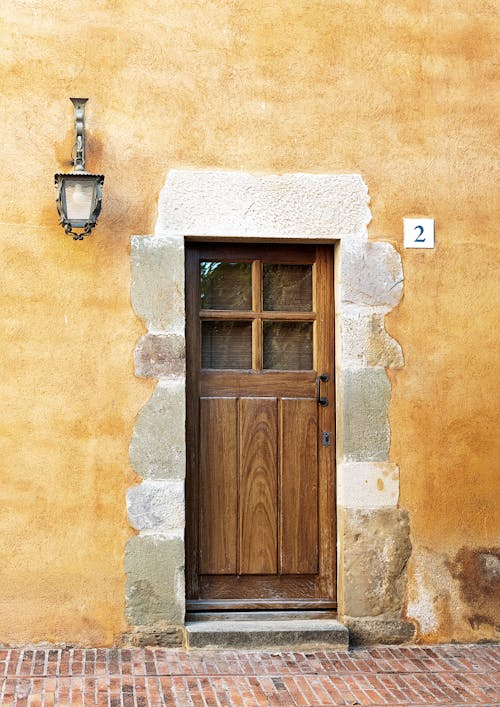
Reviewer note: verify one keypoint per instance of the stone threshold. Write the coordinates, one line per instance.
(266, 630)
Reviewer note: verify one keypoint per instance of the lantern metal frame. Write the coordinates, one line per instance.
(80, 175)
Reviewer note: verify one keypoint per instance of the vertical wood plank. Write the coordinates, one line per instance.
(218, 485)
(257, 322)
(298, 486)
(326, 457)
(258, 486)
(192, 293)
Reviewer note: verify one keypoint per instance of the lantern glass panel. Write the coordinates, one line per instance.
(79, 199)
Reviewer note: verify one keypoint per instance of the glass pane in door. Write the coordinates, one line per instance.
(226, 285)
(288, 346)
(226, 345)
(287, 288)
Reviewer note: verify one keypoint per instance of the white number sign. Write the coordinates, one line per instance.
(418, 232)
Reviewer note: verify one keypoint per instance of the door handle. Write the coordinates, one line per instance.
(323, 378)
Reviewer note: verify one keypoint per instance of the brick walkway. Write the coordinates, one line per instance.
(418, 675)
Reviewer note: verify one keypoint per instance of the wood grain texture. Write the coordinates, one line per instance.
(268, 253)
(326, 455)
(216, 314)
(220, 605)
(258, 486)
(193, 362)
(253, 383)
(218, 486)
(262, 586)
(298, 492)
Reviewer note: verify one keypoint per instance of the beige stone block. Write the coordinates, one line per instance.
(375, 551)
(365, 485)
(382, 349)
(157, 506)
(365, 341)
(160, 355)
(371, 274)
(155, 581)
(158, 445)
(157, 289)
(222, 203)
(365, 394)
(365, 632)
(161, 634)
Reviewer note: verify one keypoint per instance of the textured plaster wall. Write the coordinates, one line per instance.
(400, 93)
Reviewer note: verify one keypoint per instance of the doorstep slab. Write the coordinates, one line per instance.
(298, 634)
(281, 615)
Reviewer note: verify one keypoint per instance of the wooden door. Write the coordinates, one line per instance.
(260, 484)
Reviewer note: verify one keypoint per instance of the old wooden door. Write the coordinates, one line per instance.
(260, 486)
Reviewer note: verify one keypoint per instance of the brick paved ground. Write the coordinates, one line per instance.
(417, 675)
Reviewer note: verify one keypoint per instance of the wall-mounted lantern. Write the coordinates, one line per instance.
(79, 193)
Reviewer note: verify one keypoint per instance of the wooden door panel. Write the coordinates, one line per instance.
(298, 486)
(218, 486)
(270, 587)
(257, 486)
(228, 383)
(260, 486)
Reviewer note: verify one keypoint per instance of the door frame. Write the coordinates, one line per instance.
(327, 536)
(289, 208)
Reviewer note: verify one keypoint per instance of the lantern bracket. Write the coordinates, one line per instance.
(79, 146)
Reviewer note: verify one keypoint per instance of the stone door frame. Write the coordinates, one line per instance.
(373, 533)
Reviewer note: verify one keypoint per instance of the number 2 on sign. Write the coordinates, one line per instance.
(419, 238)
(418, 232)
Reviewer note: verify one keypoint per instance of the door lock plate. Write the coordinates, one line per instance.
(326, 438)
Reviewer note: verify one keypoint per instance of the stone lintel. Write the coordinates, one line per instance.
(221, 203)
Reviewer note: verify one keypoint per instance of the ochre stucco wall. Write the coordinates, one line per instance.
(399, 92)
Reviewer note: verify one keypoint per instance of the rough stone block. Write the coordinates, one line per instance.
(365, 632)
(156, 504)
(365, 395)
(155, 580)
(160, 635)
(377, 541)
(371, 274)
(160, 355)
(222, 203)
(157, 289)
(382, 349)
(367, 485)
(354, 333)
(365, 341)
(157, 448)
